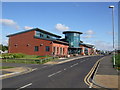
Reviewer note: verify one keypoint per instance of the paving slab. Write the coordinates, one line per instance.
(106, 75)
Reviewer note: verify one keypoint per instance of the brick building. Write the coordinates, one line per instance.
(37, 42)
(40, 42)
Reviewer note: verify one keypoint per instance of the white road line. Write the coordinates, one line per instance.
(34, 69)
(25, 86)
(83, 61)
(74, 65)
(64, 69)
(54, 74)
(43, 67)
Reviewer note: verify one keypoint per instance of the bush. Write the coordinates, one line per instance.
(117, 60)
(12, 55)
(7, 55)
(18, 55)
(117, 57)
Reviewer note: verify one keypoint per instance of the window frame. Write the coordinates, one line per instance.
(36, 48)
(47, 48)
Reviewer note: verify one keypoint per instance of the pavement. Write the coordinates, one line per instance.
(106, 76)
(6, 73)
(64, 60)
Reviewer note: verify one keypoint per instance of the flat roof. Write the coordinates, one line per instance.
(87, 45)
(34, 29)
(72, 32)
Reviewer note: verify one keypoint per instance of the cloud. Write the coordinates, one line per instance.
(89, 34)
(102, 45)
(61, 27)
(9, 22)
(111, 33)
(27, 27)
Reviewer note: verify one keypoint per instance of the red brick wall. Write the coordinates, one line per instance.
(22, 40)
(28, 38)
(59, 46)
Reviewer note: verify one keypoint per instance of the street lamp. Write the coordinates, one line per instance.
(113, 33)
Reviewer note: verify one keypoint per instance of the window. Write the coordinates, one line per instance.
(54, 50)
(61, 51)
(57, 50)
(47, 48)
(48, 36)
(41, 35)
(36, 48)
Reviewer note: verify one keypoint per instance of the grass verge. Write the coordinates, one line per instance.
(30, 61)
(117, 61)
(5, 67)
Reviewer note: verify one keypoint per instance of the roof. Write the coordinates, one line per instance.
(55, 41)
(72, 32)
(87, 45)
(35, 29)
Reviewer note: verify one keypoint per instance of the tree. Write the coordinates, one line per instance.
(3, 48)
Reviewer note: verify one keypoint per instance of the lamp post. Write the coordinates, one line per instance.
(113, 34)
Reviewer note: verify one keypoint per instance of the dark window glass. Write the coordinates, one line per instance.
(48, 36)
(41, 35)
(54, 49)
(61, 50)
(36, 48)
(47, 48)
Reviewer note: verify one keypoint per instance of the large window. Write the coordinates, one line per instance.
(54, 50)
(61, 51)
(36, 48)
(47, 48)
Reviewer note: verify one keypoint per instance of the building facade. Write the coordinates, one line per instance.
(40, 42)
(73, 38)
(37, 42)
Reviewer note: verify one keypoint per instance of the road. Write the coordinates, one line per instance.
(66, 75)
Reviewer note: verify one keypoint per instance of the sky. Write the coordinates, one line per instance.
(94, 19)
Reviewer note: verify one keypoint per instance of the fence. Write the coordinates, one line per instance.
(29, 61)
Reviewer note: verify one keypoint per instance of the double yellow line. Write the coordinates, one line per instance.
(88, 76)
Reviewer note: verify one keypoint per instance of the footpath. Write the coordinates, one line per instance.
(5, 73)
(106, 76)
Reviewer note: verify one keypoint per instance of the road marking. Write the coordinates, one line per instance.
(87, 77)
(34, 69)
(25, 86)
(64, 69)
(74, 65)
(43, 67)
(8, 74)
(54, 74)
